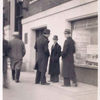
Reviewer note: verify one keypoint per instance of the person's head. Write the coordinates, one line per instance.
(67, 33)
(46, 33)
(16, 34)
(55, 39)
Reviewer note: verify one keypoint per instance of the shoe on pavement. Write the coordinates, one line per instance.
(5, 86)
(37, 83)
(55, 81)
(46, 84)
(17, 81)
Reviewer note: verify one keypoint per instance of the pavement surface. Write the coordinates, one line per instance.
(28, 90)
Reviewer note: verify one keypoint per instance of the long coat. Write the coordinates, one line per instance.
(5, 55)
(42, 50)
(54, 66)
(16, 53)
(67, 58)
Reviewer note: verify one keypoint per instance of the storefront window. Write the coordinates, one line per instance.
(85, 35)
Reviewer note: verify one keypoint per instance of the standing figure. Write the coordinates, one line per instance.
(68, 68)
(5, 56)
(42, 50)
(54, 66)
(16, 54)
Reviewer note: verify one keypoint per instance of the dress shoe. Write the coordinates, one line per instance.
(55, 81)
(46, 84)
(37, 83)
(17, 81)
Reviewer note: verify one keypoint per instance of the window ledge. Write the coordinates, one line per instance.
(33, 1)
(87, 66)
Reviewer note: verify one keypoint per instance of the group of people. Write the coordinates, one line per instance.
(68, 68)
(15, 50)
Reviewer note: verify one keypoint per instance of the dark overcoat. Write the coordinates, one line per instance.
(16, 53)
(54, 66)
(67, 58)
(5, 55)
(42, 50)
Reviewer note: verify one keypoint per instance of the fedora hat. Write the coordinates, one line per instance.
(15, 33)
(55, 37)
(68, 31)
(46, 31)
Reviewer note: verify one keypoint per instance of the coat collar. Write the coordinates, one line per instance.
(45, 38)
(54, 46)
(69, 38)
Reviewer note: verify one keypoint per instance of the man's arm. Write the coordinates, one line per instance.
(35, 46)
(58, 52)
(65, 48)
(46, 50)
(24, 50)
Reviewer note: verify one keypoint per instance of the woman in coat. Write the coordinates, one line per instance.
(68, 71)
(54, 66)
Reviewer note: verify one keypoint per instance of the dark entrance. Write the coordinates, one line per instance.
(39, 32)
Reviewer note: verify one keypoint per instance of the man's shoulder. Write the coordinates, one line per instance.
(58, 45)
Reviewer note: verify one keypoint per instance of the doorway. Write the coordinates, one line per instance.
(39, 32)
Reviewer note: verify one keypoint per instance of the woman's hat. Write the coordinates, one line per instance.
(55, 37)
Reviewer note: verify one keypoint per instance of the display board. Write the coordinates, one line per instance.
(82, 39)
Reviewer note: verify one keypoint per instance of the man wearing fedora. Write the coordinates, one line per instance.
(68, 68)
(54, 66)
(42, 50)
(16, 54)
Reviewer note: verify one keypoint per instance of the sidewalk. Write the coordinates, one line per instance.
(28, 90)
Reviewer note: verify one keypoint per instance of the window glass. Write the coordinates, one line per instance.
(85, 36)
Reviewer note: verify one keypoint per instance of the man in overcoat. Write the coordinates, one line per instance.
(42, 50)
(54, 66)
(16, 54)
(68, 68)
(5, 56)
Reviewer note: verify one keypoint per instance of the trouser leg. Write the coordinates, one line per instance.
(74, 79)
(13, 74)
(5, 81)
(56, 78)
(51, 78)
(67, 81)
(43, 78)
(38, 76)
(17, 75)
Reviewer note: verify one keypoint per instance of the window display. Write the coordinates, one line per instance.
(85, 36)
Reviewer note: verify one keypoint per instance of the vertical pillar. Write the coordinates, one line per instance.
(12, 17)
